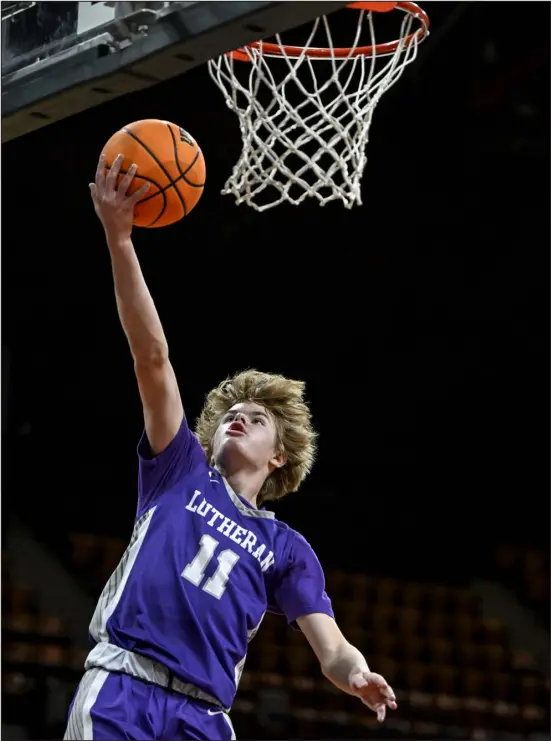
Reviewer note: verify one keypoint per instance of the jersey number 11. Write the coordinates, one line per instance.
(194, 572)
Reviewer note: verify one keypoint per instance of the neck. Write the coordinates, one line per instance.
(246, 483)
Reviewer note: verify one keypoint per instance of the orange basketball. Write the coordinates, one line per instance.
(169, 159)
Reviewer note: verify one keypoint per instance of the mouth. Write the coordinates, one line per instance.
(236, 429)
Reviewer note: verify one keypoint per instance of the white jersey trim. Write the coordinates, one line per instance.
(113, 658)
(79, 726)
(247, 511)
(114, 589)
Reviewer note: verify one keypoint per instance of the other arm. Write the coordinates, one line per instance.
(300, 595)
(162, 404)
(344, 665)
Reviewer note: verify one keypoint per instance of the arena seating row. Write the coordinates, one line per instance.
(309, 723)
(414, 705)
(40, 668)
(442, 610)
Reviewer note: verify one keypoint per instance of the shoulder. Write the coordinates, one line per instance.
(298, 545)
(293, 537)
(167, 470)
(294, 547)
(283, 532)
(183, 444)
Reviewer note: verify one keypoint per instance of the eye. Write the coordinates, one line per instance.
(259, 420)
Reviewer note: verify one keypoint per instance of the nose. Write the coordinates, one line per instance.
(239, 417)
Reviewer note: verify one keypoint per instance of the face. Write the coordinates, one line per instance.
(247, 438)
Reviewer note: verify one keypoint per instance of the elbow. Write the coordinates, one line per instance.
(155, 357)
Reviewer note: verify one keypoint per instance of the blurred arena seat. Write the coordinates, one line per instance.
(95, 557)
(527, 572)
(40, 667)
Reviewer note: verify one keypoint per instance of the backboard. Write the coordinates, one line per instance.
(60, 58)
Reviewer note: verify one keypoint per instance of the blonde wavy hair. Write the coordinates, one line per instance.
(283, 398)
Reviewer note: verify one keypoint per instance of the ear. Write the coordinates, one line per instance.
(278, 460)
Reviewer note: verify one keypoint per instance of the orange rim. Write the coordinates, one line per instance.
(276, 50)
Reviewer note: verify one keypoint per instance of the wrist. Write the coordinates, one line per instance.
(345, 661)
(117, 240)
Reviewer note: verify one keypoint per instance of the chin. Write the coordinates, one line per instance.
(230, 452)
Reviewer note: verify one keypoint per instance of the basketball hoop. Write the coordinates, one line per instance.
(305, 137)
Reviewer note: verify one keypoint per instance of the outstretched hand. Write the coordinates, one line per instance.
(374, 691)
(115, 209)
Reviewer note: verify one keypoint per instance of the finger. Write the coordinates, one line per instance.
(382, 685)
(100, 176)
(390, 697)
(93, 192)
(111, 179)
(127, 179)
(139, 194)
(381, 713)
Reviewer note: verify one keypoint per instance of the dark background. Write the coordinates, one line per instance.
(420, 321)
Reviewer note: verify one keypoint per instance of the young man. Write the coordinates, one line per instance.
(205, 561)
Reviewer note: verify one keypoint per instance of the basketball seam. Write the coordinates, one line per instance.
(161, 191)
(161, 166)
(183, 173)
(175, 150)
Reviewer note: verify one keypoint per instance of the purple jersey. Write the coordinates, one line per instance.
(202, 568)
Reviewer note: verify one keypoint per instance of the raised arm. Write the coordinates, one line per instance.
(162, 404)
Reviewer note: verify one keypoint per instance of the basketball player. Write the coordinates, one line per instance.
(206, 560)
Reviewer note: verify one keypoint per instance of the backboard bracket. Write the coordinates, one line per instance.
(180, 37)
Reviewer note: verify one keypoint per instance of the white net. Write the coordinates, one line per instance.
(305, 121)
